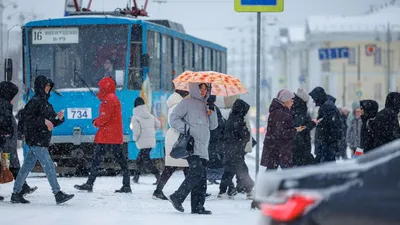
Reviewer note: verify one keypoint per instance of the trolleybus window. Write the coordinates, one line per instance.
(189, 56)
(167, 63)
(73, 56)
(154, 51)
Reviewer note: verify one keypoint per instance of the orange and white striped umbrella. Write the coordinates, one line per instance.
(222, 84)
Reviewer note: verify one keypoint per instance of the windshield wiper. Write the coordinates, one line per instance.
(82, 79)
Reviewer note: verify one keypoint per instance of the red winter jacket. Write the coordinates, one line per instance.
(109, 121)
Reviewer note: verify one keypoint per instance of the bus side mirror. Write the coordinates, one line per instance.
(8, 69)
(145, 60)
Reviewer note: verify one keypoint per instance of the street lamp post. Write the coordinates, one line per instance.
(2, 8)
(8, 38)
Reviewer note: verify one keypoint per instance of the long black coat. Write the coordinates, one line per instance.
(236, 133)
(8, 91)
(386, 124)
(278, 142)
(302, 141)
(216, 142)
(370, 108)
(330, 129)
(35, 112)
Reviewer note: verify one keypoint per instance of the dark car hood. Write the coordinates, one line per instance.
(328, 178)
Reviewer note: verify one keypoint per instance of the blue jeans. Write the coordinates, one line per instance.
(41, 154)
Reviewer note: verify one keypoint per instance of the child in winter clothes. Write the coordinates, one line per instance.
(144, 126)
(354, 132)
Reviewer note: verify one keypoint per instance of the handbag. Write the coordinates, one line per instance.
(183, 147)
(5, 174)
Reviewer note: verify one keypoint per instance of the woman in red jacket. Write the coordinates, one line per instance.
(109, 137)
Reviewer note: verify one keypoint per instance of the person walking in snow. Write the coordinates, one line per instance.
(302, 141)
(354, 132)
(385, 126)
(214, 165)
(226, 109)
(236, 136)
(8, 91)
(193, 114)
(369, 109)
(172, 135)
(40, 119)
(329, 128)
(109, 137)
(281, 130)
(144, 126)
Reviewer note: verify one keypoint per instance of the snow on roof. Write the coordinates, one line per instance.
(373, 22)
(297, 34)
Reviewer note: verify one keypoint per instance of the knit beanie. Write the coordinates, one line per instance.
(284, 95)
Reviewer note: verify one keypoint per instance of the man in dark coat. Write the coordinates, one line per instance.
(8, 91)
(369, 109)
(386, 127)
(302, 141)
(329, 128)
(236, 136)
(40, 119)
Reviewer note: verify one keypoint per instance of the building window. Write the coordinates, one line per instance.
(378, 91)
(352, 56)
(378, 57)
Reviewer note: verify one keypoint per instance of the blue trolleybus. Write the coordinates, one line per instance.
(143, 56)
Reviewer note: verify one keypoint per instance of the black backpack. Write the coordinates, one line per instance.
(21, 117)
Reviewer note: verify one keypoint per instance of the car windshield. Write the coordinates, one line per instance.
(73, 56)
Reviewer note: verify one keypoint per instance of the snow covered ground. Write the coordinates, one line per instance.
(104, 207)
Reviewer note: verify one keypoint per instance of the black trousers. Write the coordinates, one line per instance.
(194, 183)
(167, 173)
(143, 161)
(239, 168)
(117, 150)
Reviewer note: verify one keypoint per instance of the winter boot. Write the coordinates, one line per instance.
(202, 212)
(84, 187)
(27, 190)
(232, 192)
(124, 189)
(159, 195)
(176, 204)
(254, 205)
(135, 179)
(1, 198)
(208, 195)
(18, 198)
(61, 197)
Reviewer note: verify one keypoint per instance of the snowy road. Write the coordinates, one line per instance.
(104, 207)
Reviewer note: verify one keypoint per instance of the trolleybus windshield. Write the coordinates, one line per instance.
(69, 55)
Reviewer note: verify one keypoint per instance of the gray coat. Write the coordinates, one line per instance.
(193, 111)
(354, 133)
(11, 147)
